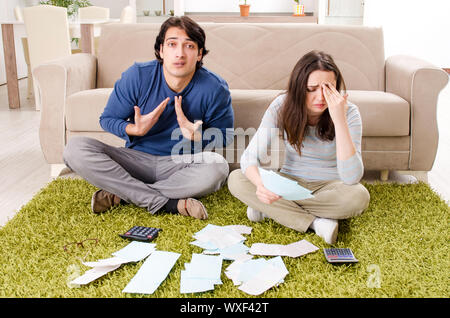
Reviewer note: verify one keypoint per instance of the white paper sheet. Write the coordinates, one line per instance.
(152, 273)
(219, 236)
(132, 252)
(201, 274)
(227, 241)
(255, 276)
(265, 279)
(93, 274)
(232, 252)
(112, 261)
(194, 285)
(284, 187)
(135, 251)
(292, 250)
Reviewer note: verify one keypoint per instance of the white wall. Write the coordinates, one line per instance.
(115, 6)
(153, 5)
(414, 27)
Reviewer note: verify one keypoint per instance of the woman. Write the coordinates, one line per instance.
(322, 135)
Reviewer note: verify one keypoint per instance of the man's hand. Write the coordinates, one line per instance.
(143, 123)
(188, 129)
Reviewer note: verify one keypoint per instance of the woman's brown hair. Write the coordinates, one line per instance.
(293, 117)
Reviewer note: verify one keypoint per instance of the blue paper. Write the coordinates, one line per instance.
(205, 266)
(284, 187)
(251, 268)
(228, 252)
(194, 285)
(152, 273)
(201, 274)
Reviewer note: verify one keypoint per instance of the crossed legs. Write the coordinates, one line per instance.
(143, 179)
(332, 200)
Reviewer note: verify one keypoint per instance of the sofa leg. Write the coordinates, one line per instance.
(384, 175)
(419, 175)
(57, 169)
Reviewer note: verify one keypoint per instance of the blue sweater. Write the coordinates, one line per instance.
(205, 98)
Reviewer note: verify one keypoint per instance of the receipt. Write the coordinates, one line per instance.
(292, 250)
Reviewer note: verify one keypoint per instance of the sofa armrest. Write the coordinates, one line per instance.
(55, 81)
(419, 83)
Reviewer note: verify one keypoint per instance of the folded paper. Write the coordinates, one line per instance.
(292, 250)
(284, 187)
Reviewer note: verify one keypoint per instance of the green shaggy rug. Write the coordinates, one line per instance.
(401, 242)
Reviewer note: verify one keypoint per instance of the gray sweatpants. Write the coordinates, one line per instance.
(143, 179)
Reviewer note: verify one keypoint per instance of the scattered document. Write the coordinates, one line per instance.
(232, 252)
(284, 187)
(219, 236)
(133, 252)
(292, 250)
(201, 274)
(112, 261)
(241, 229)
(227, 241)
(152, 273)
(255, 276)
(268, 277)
(94, 274)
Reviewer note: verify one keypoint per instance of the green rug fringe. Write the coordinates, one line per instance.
(402, 238)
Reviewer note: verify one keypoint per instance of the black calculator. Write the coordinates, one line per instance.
(141, 233)
(339, 255)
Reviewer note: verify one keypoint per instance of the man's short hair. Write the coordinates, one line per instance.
(192, 29)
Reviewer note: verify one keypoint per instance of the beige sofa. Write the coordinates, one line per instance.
(396, 96)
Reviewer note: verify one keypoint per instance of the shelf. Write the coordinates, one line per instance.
(231, 17)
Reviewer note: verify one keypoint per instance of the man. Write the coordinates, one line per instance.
(158, 106)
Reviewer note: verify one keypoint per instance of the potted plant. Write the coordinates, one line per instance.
(245, 9)
(71, 5)
(299, 9)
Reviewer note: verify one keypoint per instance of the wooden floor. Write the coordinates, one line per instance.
(23, 170)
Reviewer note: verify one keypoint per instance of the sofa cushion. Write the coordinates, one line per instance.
(382, 114)
(83, 109)
(254, 55)
(249, 105)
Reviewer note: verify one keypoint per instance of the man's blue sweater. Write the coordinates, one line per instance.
(205, 98)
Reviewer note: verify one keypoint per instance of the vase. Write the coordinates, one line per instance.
(245, 9)
(299, 10)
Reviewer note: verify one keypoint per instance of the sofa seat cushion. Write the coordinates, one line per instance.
(383, 114)
(249, 106)
(83, 109)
